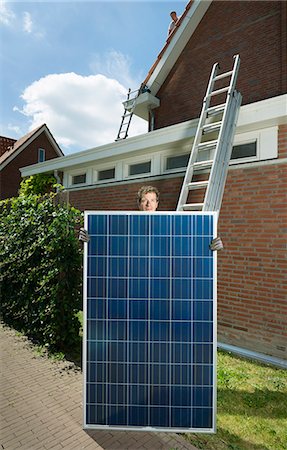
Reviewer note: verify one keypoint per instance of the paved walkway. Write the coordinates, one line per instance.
(41, 406)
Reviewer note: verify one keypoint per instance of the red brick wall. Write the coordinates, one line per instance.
(10, 176)
(252, 268)
(254, 29)
(5, 143)
(252, 288)
(124, 196)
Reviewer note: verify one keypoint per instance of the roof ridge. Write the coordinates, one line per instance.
(168, 40)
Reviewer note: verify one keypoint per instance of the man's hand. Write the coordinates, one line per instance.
(83, 235)
(216, 244)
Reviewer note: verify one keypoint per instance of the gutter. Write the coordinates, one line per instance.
(260, 357)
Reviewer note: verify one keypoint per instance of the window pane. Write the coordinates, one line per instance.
(41, 155)
(106, 174)
(79, 179)
(136, 169)
(175, 162)
(244, 151)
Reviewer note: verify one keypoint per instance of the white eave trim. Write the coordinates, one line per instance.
(263, 114)
(155, 140)
(177, 44)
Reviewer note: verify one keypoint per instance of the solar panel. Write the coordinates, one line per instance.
(150, 321)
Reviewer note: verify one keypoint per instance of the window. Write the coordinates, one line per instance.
(41, 155)
(244, 151)
(107, 174)
(176, 162)
(140, 168)
(79, 179)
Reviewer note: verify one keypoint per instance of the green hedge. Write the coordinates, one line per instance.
(41, 268)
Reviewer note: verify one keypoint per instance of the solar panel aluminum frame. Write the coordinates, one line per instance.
(178, 429)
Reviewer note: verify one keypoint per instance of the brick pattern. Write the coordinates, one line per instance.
(120, 197)
(255, 30)
(10, 176)
(41, 407)
(5, 143)
(252, 307)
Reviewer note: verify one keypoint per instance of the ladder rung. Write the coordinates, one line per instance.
(197, 185)
(213, 110)
(209, 128)
(223, 75)
(203, 164)
(209, 152)
(208, 145)
(127, 115)
(218, 91)
(192, 206)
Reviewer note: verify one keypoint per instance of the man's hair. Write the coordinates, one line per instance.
(145, 190)
(172, 12)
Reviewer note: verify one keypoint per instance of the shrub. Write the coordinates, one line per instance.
(41, 268)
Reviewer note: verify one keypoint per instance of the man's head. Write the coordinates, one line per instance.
(148, 198)
(173, 15)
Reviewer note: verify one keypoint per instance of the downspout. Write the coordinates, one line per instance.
(152, 119)
(56, 175)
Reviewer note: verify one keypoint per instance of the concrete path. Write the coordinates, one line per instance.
(41, 406)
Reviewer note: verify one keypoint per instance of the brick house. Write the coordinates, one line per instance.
(37, 146)
(252, 288)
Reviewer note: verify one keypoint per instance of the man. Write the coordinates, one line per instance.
(148, 198)
(172, 24)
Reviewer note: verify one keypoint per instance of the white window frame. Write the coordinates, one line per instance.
(103, 167)
(167, 155)
(266, 144)
(139, 160)
(75, 173)
(41, 151)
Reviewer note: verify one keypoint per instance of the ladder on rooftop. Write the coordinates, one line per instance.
(128, 114)
(212, 146)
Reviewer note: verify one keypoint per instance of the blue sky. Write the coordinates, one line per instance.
(69, 64)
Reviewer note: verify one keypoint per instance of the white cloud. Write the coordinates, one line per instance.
(27, 22)
(6, 14)
(81, 111)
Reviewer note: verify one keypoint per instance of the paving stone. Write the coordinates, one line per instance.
(41, 406)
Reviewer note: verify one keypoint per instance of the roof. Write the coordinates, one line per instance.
(170, 37)
(17, 146)
(5, 143)
(175, 43)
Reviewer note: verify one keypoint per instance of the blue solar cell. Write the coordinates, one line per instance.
(118, 225)
(149, 321)
(117, 267)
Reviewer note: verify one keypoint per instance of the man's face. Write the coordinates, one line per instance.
(173, 16)
(148, 202)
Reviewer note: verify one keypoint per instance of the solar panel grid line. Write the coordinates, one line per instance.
(163, 331)
(105, 387)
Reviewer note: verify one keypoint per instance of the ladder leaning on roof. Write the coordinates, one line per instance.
(128, 114)
(220, 120)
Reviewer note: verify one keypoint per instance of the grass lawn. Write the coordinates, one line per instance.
(251, 407)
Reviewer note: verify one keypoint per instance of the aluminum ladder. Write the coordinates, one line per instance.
(128, 114)
(213, 139)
